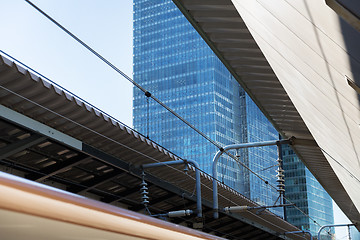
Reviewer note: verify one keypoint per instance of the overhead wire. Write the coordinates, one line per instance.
(119, 198)
(264, 169)
(148, 94)
(54, 177)
(110, 139)
(71, 93)
(142, 154)
(341, 165)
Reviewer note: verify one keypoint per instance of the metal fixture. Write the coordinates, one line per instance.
(197, 176)
(247, 208)
(334, 225)
(235, 146)
(180, 213)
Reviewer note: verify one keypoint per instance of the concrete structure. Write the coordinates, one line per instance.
(302, 71)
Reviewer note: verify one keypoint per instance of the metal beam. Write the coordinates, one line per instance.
(252, 233)
(232, 147)
(118, 163)
(57, 168)
(263, 235)
(197, 177)
(242, 230)
(210, 15)
(119, 196)
(225, 227)
(347, 14)
(35, 126)
(221, 223)
(164, 198)
(21, 145)
(25, 169)
(153, 202)
(95, 182)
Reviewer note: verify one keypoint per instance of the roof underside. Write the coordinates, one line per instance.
(52, 137)
(221, 26)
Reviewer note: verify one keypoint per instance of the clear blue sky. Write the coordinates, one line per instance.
(105, 25)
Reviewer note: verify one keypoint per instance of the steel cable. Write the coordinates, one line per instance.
(148, 94)
(142, 154)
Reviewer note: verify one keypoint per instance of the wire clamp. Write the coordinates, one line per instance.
(148, 94)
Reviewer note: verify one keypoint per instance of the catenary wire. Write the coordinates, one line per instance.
(71, 93)
(144, 155)
(352, 175)
(229, 154)
(142, 89)
(264, 169)
(116, 142)
(122, 74)
(125, 146)
(145, 91)
(120, 198)
(54, 177)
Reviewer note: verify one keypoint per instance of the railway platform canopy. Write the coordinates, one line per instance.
(50, 136)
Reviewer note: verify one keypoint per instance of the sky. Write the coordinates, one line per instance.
(29, 37)
(106, 26)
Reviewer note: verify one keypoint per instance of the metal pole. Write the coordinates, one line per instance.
(197, 177)
(229, 147)
(333, 225)
(349, 233)
(303, 231)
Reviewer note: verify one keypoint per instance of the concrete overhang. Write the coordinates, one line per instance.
(292, 58)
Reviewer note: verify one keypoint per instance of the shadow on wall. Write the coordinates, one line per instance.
(352, 40)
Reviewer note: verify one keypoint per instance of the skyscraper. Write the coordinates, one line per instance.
(174, 63)
(306, 192)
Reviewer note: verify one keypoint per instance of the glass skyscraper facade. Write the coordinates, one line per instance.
(172, 62)
(305, 191)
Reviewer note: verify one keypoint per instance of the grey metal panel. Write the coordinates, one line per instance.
(288, 123)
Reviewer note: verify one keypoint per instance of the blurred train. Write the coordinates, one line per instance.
(30, 210)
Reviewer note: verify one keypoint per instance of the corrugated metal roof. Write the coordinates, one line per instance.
(44, 102)
(221, 26)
